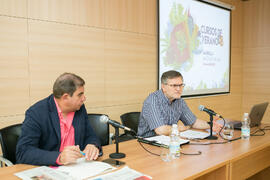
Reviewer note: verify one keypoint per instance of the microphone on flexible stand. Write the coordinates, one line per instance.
(211, 114)
(105, 119)
(116, 125)
(209, 111)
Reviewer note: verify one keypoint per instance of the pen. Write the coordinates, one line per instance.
(82, 153)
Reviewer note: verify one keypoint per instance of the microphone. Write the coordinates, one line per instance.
(105, 119)
(209, 111)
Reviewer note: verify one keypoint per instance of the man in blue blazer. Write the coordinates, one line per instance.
(56, 130)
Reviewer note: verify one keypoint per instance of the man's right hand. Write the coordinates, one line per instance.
(70, 154)
(181, 126)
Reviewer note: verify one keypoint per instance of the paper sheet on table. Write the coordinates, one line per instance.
(123, 174)
(191, 134)
(162, 139)
(43, 172)
(85, 169)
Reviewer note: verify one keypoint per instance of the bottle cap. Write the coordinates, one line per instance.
(174, 129)
(245, 114)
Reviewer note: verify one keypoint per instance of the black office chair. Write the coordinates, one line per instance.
(101, 128)
(8, 138)
(131, 120)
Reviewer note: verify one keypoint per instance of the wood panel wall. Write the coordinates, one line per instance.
(112, 44)
(256, 54)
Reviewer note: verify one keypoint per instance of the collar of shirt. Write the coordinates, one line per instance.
(60, 114)
(164, 98)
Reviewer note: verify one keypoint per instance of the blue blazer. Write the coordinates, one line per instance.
(40, 139)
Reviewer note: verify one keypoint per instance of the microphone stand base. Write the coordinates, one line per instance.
(114, 162)
(212, 138)
(117, 155)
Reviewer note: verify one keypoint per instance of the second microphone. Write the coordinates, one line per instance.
(105, 119)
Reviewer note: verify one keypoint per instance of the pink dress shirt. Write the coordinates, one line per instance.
(67, 130)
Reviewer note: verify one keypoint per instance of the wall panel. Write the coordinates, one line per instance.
(150, 17)
(256, 86)
(10, 120)
(57, 48)
(237, 25)
(131, 67)
(256, 23)
(16, 8)
(138, 16)
(256, 53)
(14, 86)
(80, 12)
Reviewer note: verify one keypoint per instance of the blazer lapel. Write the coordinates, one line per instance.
(56, 124)
(55, 119)
(76, 124)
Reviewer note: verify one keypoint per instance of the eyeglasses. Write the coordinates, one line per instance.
(177, 85)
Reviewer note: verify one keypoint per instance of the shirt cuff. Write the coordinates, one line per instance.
(58, 161)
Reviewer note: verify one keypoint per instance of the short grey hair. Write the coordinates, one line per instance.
(170, 75)
(67, 83)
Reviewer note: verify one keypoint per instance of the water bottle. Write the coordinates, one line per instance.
(245, 129)
(174, 142)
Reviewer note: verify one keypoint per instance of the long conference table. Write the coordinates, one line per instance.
(235, 160)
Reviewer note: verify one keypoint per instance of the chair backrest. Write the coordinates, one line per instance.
(131, 120)
(101, 128)
(8, 138)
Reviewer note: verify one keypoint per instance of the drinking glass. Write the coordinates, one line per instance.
(228, 130)
(165, 154)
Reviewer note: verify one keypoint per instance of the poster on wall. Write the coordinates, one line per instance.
(194, 39)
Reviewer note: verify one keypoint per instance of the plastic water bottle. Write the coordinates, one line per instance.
(174, 142)
(245, 129)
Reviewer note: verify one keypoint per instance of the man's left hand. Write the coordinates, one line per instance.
(91, 152)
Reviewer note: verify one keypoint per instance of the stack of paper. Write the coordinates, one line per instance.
(191, 134)
(82, 170)
(44, 173)
(85, 169)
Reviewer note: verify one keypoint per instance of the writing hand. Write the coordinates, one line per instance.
(70, 154)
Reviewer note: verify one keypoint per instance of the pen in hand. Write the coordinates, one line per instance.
(82, 159)
(82, 153)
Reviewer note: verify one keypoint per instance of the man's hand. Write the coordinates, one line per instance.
(181, 126)
(91, 152)
(69, 155)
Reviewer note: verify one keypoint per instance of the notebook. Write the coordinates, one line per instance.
(255, 115)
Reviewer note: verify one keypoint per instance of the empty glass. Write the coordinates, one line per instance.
(165, 154)
(228, 131)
